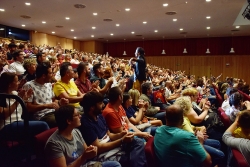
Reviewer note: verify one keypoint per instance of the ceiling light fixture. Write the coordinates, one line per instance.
(144, 22)
(74, 37)
(181, 29)
(27, 3)
(208, 51)
(117, 25)
(44, 22)
(156, 30)
(124, 53)
(163, 51)
(127, 9)
(237, 26)
(208, 0)
(185, 50)
(208, 17)
(165, 4)
(111, 34)
(92, 36)
(53, 32)
(67, 18)
(208, 28)
(72, 30)
(95, 14)
(174, 19)
(232, 48)
(23, 25)
(93, 27)
(132, 32)
(2, 10)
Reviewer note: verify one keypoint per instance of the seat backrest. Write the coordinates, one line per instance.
(239, 159)
(225, 119)
(245, 96)
(220, 110)
(40, 141)
(218, 97)
(150, 153)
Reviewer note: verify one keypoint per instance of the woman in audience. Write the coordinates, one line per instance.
(9, 84)
(138, 117)
(211, 146)
(235, 101)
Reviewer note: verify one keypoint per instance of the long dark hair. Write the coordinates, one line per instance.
(5, 80)
(142, 53)
(126, 96)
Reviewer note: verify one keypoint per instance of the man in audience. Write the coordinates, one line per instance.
(116, 117)
(169, 97)
(66, 146)
(42, 103)
(12, 48)
(66, 88)
(98, 74)
(152, 111)
(139, 65)
(241, 144)
(95, 132)
(181, 148)
(17, 65)
(40, 57)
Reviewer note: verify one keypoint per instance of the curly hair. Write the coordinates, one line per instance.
(189, 92)
(185, 103)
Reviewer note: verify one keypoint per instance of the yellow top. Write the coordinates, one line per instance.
(239, 134)
(187, 125)
(70, 88)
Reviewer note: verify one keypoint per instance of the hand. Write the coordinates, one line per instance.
(145, 135)
(127, 138)
(64, 101)
(90, 152)
(200, 136)
(53, 105)
(141, 103)
(247, 104)
(157, 108)
(110, 81)
(95, 84)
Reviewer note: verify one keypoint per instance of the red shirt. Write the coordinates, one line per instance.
(83, 87)
(115, 119)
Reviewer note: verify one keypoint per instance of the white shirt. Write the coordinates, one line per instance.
(225, 105)
(17, 67)
(73, 61)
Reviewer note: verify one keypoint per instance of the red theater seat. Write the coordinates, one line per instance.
(150, 153)
(238, 159)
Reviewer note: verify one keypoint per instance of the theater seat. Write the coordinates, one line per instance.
(245, 96)
(225, 119)
(150, 153)
(40, 141)
(220, 110)
(218, 97)
(238, 159)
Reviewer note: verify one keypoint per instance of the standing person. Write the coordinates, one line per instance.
(66, 147)
(139, 65)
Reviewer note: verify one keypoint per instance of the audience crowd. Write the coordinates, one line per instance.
(107, 108)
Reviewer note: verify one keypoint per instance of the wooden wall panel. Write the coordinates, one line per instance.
(77, 45)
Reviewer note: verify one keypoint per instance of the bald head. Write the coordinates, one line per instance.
(174, 116)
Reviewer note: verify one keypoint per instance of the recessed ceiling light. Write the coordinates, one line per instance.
(127, 9)
(53, 32)
(74, 37)
(1, 29)
(208, 0)
(23, 25)
(208, 28)
(156, 30)
(93, 27)
(117, 25)
(132, 32)
(181, 29)
(2, 10)
(94, 14)
(165, 4)
(208, 17)
(174, 19)
(144, 22)
(237, 26)
(67, 18)
(43, 22)
(111, 34)
(92, 36)
(72, 30)
(186, 2)
(27, 3)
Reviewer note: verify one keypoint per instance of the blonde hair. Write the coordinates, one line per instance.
(135, 94)
(28, 62)
(185, 103)
(189, 92)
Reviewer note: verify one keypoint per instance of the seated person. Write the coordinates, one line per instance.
(116, 117)
(42, 103)
(137, 117)
(181, 148)
(241, 144)
(95, 132)
(225, 105)
(66, 88)
(235, 101)
(151, 111)
(17, 65)
(66, 147)
(211, 146)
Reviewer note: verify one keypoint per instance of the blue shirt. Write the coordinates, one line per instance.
(130, 112)
(175, 147)
(91, 129)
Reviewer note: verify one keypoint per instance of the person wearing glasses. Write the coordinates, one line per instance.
(66, 147)
(17, 65)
